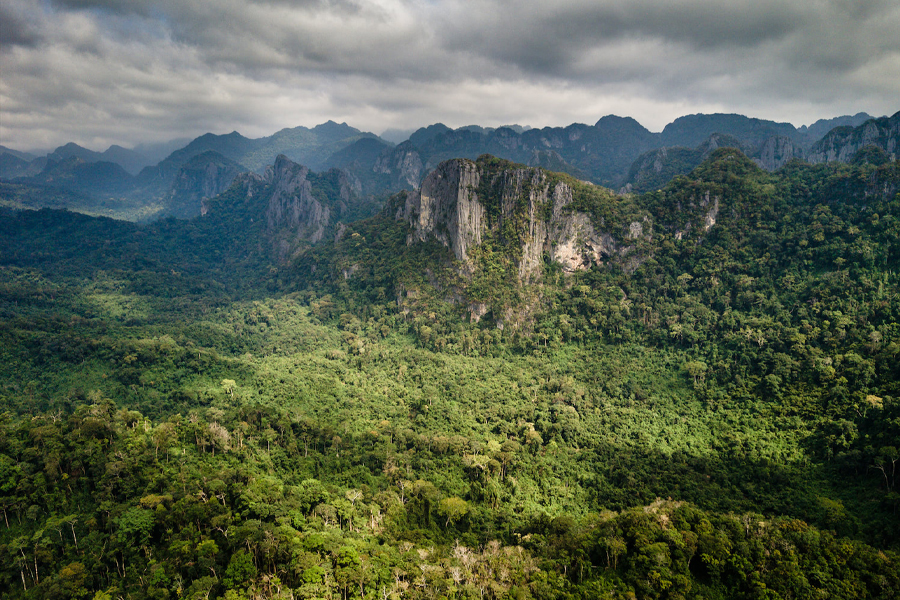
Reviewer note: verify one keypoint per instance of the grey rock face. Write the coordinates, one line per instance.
(250, 185)
(572, 240)
(403, 164)
(205, 176)
(776, 151)
(447, 208)
(711, 208)
(842, 143)
(292, 204)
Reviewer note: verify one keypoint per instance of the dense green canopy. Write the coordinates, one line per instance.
(716, 417)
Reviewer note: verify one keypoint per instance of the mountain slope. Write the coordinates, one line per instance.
(842, 143)
(692, 130)
(820, 128)
(204, 176)
(129, 160)
(93, 178)
(288, 208)
(653, 170)
(370, 414)
(605, 153)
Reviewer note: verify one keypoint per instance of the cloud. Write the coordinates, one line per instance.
(18, 26)
(125, 71)
(549, 37)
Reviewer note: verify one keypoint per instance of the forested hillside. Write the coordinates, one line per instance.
(708, 408)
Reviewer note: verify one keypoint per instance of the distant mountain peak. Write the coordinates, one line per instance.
(615, 119)
(422, 135)
(331, 127)
(71, 146)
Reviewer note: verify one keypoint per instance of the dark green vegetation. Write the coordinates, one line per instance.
(717, 418)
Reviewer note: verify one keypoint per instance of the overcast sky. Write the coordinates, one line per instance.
(99, 72)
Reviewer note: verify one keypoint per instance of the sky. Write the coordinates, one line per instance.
(101, 72)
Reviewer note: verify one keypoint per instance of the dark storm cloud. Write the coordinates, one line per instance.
(549, 37)
(103, 71)
(16, 29)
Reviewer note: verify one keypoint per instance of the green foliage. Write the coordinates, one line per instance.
(183, 418)
(241, 570)
(654, 169)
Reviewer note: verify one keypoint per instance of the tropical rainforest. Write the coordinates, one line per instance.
(190, 412)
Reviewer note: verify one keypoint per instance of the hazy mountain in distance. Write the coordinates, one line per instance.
(395, 135)
(26, 156)
(602, 152)
(157, 151)
(817, 130)
(288, 207)
(175, 185)
(74, 150)
(129, 160)
(424, 134)
(654, 169)
(99, 179)
(692, 130)
(231, 145)
(310, 147)
(204, 176)
(360, 159)
(613, 152)
(12, 165)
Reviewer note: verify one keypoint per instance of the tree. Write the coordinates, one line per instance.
(228, 386)
(240, 571)
(697, 370)
(453, 508)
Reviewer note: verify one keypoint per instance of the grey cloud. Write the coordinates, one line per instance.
(549, 37)
(18, 26)
(14, 32)
(122, 71)
(315, 39)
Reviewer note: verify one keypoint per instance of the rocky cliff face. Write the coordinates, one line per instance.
(842, 143)
(776, 151)
(204, 176)
(653, 170)
(461, 203)
(295, 205)
(402, 164)
(446, 207)
(292, 204)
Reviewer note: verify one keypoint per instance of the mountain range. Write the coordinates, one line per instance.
(501, 381)
(615, 152)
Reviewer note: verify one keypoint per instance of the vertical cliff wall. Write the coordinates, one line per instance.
(462, 203)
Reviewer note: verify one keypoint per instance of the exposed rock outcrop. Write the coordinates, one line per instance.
(776, 151)
(449, 209)
(653, 170)
(204, 176)
(403, 164)
(842, 143)
(292, 204)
